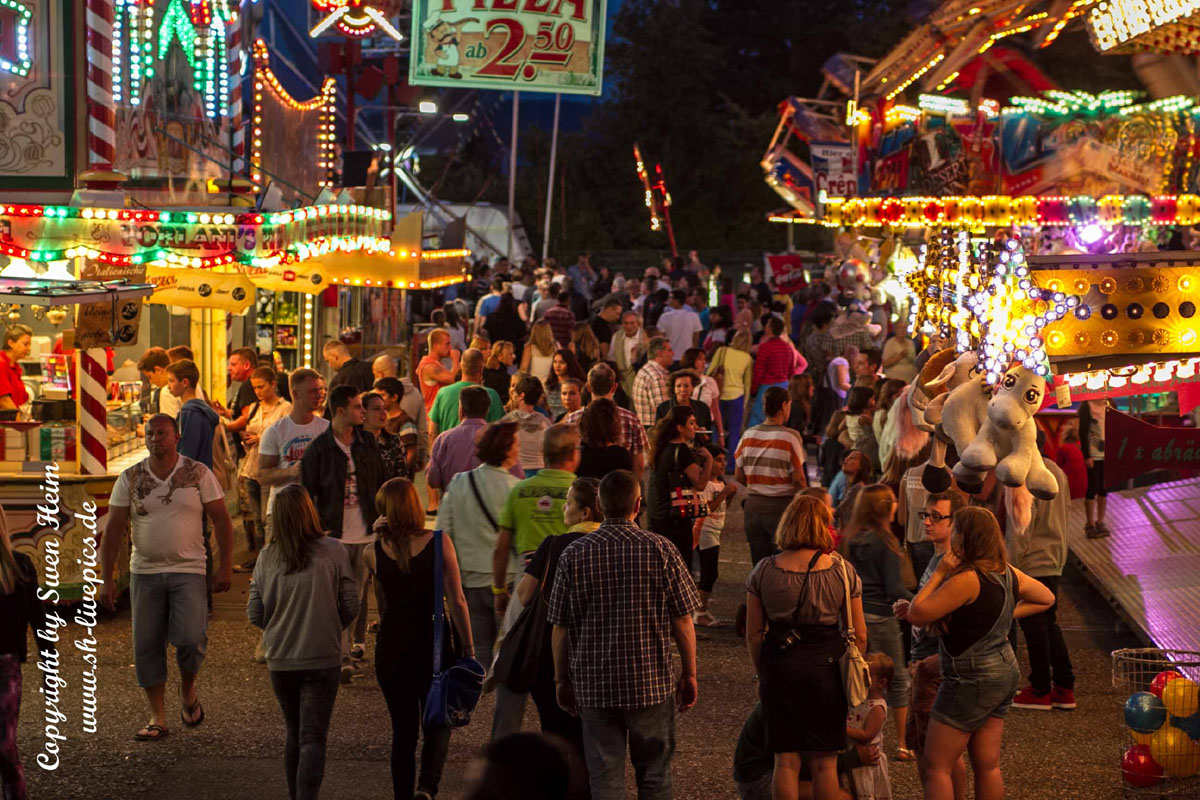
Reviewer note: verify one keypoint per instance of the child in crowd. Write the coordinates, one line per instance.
(717, 494)
(864, 725)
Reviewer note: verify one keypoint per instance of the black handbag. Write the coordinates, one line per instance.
(520, 657)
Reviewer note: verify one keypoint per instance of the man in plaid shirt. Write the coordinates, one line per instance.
(620, 595)
(602, 382)
(652, 385)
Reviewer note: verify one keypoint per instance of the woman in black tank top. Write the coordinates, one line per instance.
(974, 596)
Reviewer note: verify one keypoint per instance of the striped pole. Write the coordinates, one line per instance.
(92, 383)
(102, 117)
(237, 122)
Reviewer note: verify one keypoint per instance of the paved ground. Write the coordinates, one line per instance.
(237, 752)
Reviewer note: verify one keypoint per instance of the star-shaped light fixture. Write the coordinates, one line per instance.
(1011, 311)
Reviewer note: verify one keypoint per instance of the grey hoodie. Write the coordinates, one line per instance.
(1042, 550)
(303, 614)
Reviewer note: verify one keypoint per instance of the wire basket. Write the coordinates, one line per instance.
(1159, 692)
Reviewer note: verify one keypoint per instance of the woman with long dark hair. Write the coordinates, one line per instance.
(303, 596)
(676, 463)
(599, 433)
(564, 365)
(20, 608)
(404, 556)
(974, 595)
(868, 543)
(505, 323)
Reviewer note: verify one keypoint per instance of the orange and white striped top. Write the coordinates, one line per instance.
(770, 455)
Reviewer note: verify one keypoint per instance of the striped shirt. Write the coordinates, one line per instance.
(770, 455)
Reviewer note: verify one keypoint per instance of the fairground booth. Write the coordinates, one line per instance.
(173, 192)
(1050, 237)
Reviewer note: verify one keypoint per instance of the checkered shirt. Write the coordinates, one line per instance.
(630, 433)
(650, 389)
(616, 591)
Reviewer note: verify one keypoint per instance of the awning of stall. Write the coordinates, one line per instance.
(46, 291)
(306, 277)
(200, 288)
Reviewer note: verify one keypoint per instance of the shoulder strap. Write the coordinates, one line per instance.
(846, 584)
(479, 498)
(804, 588)
(438, 610)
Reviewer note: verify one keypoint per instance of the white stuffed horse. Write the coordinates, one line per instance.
(932, 400)
(1007, 439)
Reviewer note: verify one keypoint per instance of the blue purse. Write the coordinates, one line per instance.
(455, 691)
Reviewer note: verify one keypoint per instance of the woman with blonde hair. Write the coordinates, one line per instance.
(585, 344)
(20, 608)
(404, 557)
(796, 607)
(303, 596)
(539, 353)
(868, 544)
(18, 340)
(733, 368)
(496, 368)
(974, 596)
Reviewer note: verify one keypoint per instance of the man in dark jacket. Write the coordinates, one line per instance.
(348, 371)
(342, 470)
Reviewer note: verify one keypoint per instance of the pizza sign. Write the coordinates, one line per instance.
(527, 45)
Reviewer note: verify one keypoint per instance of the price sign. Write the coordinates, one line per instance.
(529, 45)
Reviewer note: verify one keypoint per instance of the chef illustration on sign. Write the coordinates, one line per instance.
(443, 36)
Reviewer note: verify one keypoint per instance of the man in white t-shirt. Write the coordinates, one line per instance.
(342, 470)
(165, 497)
(283, 444)
(680, 324)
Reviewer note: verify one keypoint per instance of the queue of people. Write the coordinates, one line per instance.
(559, 493)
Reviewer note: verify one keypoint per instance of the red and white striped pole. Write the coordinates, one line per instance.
(237, 121)
(102, 116)
(92, 385)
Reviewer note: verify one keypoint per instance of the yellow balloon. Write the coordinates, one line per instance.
(1175, 752)
(1140, 738)
(1181, 697)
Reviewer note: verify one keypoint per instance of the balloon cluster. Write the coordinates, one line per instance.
(1165, 725)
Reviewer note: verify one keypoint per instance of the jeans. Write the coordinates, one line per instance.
(481, 606)
(12, 774)
(405, 698)
(883, 636)
(650, 733)
(761, 518)
(731, 418)
(509, 714)
(167, 607)
(306, 698)
(1047, 649)
(361, 569)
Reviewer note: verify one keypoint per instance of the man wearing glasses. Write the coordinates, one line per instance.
(937, 519)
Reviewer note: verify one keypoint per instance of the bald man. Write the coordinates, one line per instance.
(444, 414)
(348, 371)
(384, 366)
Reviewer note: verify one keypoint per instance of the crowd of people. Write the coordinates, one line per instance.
(582, 435)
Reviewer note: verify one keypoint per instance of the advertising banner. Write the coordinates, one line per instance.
(1133, 447)
(97, 323)
(200, 288)
(527, 45)
(833, 169)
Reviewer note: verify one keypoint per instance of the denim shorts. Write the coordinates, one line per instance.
(167, 608)
(975, 688)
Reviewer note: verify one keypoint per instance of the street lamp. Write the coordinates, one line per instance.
(460, 117)
(427, 107)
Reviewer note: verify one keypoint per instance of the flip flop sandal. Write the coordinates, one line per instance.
(190, 711)
(903, 754)
(152, 733)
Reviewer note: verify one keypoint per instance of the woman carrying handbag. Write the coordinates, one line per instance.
(797, 602)
(679, 475)
(405, 555)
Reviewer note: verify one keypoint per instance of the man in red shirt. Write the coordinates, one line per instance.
(774, 364)
(17, 343)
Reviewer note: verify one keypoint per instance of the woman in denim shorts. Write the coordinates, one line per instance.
(973, 598)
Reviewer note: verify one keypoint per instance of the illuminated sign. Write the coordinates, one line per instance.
(530, 45)
(357, 18)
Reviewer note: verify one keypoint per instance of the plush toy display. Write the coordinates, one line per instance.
(1007, 439)
(964, 412)
(930, 397)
